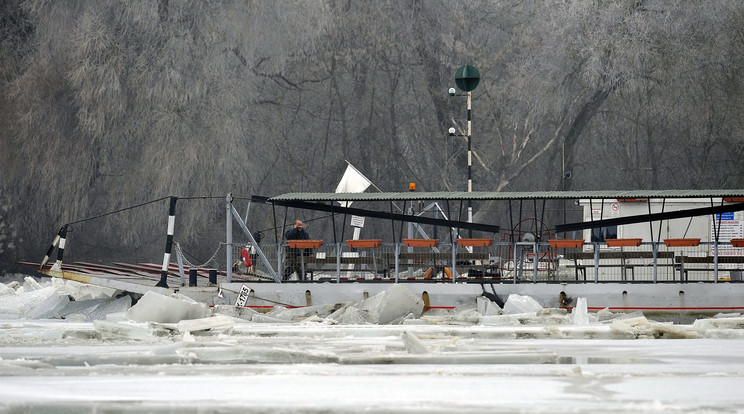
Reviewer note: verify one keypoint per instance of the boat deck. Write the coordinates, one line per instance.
(134, 278)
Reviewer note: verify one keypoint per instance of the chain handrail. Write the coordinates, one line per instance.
(203, 265)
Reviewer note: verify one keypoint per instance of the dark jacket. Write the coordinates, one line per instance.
(295, 234)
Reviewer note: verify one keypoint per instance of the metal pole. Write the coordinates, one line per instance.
(470, 164)
(535, 261)
(454, 253)
(168, 243)
(338, 262)
(228, 236)
(595, 245)
(253, 241)
(397, 261)
(655, 247)
(410, 236)
(715, 260)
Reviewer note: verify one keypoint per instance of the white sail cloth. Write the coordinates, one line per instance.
(352, 182)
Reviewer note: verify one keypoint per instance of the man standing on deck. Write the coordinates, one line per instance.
(294, 261)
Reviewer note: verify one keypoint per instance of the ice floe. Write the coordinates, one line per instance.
(154, 315)
(98, 350)
(155, 307)
(521, 304)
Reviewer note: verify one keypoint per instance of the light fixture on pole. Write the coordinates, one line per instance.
(467, 78)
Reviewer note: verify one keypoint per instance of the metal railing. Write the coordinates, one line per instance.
(505, 262)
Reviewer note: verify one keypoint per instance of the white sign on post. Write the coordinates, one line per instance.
(596, 213)
(729, 226)
(357, 221)
(242, 299)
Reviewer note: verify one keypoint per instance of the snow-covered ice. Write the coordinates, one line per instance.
(93, 351)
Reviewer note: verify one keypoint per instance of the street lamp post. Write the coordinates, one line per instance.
(467, 78)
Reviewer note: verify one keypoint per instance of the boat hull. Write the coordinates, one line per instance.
(650, 298)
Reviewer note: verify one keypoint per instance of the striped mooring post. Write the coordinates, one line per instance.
(168, 243)
(59, 240)
(62, 231)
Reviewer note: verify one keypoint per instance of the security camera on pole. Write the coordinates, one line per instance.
(467, 79)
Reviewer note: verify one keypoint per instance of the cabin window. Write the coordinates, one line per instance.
(603, 233)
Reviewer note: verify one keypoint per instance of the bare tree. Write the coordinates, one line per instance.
(125, 102)
(106, 104)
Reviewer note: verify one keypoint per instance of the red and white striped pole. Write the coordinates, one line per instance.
(168, 243)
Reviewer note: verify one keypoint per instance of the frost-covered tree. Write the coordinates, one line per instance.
(107, 104)
(123, 102)
(628, 79)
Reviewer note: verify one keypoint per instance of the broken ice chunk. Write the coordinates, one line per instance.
(126, 329)
(155, 307)
(30, 284)
(413, 344)
(294, 314)
(230, 310)
(580, 313)
(48, 308)
(486, 307)
(81, 307)
(391, 304)
(521, 304)
(261, 318)
(203, 324)
(119, 305)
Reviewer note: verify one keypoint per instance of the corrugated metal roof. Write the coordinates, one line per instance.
(493, 195)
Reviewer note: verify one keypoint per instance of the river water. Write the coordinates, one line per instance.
(461, 361)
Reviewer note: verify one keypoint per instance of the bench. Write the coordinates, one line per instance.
(314, 264)
(622, 256)
(681, 261)
(461, 259)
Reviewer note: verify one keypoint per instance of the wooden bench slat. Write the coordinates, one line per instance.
(709, 259)
(438, 256)
(344, 260)
(618, 255)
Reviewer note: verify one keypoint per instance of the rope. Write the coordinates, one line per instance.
(118, 211)
(202, 198)
(264, 299)
(291, 223)
(144, 204)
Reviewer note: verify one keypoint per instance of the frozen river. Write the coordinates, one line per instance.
(305, 368)
(544, 361)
